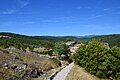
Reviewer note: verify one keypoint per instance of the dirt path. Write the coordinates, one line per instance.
(63, 73)
(78, 73)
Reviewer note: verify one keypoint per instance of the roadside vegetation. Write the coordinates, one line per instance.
(60, 48)
(78, 73)
(99, 55)
(99, 59)
(20, 61)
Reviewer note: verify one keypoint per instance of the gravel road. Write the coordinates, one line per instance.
(63, 73)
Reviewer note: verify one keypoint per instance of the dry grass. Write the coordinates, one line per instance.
(78, 73)
(33, 60)
(41, 62)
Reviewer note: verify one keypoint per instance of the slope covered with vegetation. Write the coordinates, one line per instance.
(12, 39)
(99, 59)
(96, 57)
(16, 64)
(113, 39)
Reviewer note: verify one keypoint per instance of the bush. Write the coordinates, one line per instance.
(98, 59)
(56, 61)
(60, 48)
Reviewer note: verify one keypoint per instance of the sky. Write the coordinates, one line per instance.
(60, 17)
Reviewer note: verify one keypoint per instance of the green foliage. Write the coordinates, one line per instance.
(98, 59)
(19, 41)
(50, 53)
(55, 60)
(48, 41)
(116, 51)
(4, 43)
(36, 41)
(31, 47)
(44, 52)
(60, 48)
(21, 46)
(113, 40)
(118, 75)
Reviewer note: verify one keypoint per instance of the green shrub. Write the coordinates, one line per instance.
(98, 59)
(118, 75)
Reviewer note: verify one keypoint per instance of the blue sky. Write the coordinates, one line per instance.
(60, 17)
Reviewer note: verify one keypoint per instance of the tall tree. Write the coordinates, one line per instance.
(98, 59)
(60, 48)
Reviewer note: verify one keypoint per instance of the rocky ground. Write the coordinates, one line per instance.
(19, 65)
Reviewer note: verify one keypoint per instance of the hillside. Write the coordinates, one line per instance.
(49, 38)
(14, 53)
(113, 39)
(47, 41)
(16, 64)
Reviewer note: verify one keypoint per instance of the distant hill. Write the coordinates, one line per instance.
(112, 39)
(49, 38)
(38, 41)
(86, 36)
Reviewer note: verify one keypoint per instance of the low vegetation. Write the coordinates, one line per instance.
(98, 59)
(16, 64)
(78, 73)
(60, 48)
(112, 40)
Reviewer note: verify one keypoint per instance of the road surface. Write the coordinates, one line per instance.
(63, 73)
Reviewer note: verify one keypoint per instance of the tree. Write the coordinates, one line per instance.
(98, 59)
(21, 46)
(116, 51)
(60, 48)
(31, 48)
(18, 46)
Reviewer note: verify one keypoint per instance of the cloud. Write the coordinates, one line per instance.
(50, 21)
(97, 16)
(85, 7)
(8, 11)
(73, 21)
(89, 25)
(108, 10)
(23, 3)
(64, 19)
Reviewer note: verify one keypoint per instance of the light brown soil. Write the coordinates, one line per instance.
(78, 73)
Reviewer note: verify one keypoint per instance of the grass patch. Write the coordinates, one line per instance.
(32, 60)
(78, 73)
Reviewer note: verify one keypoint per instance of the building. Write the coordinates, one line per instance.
(73, 46)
